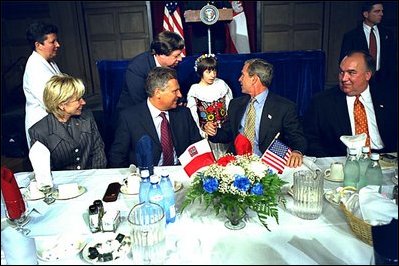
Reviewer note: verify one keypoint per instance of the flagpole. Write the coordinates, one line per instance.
(210, 147)
(277, 135)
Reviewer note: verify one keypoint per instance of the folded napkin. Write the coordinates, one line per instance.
(144, 155)
(376, 208)
(356, 141)
(242, 145)
(12, 196)
(39, 157)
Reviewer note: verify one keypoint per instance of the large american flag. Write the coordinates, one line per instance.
(276, 156)
(172, 20)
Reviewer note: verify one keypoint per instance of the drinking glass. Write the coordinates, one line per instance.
(20, 222)
(47, 190)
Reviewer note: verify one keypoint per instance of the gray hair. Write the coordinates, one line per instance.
(262, 69)
(158, 77)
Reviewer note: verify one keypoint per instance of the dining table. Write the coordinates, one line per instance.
(290, 240)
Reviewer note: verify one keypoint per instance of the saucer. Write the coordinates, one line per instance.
(58, 248)
(56, 194)
(332, 179)
(26, 194)
(125, 190)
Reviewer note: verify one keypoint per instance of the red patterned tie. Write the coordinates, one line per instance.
(166, 141)
(373, 45)
(361, 119)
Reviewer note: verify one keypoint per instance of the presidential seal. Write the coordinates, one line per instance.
(209, 14)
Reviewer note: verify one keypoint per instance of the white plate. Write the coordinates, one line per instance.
(107, 243)
(124, 190)
(57, 196)
(59, 247)
(26, 194)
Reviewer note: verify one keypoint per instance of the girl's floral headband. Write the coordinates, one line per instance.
(199, 59)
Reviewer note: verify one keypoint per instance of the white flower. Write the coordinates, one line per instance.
(234, 170)
(258, 168)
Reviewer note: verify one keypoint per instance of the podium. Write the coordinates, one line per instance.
(209, 15)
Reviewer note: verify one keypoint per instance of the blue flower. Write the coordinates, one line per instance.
(257, 189)
(242, 183)
(210, 184)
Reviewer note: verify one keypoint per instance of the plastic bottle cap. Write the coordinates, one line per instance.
(145, 173)
(154, 179)
(375, 156)
(366, 149)
(352, 151)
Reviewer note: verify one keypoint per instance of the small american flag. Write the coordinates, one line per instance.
(172, 20)
(276, 156)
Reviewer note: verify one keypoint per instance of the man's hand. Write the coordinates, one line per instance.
(295, 159)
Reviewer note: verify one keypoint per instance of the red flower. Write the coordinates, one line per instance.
(224, 160)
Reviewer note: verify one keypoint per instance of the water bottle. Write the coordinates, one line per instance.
(144, 185)
(351, 169)
(169, 197)
(374, 173)
(155, 193)
(364, 162)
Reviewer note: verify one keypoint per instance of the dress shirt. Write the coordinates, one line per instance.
(258, 104)
(157, 123)
(366, 100)
(367, 30)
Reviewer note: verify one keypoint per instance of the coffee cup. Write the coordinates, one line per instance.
(335, 172)
(132, 183)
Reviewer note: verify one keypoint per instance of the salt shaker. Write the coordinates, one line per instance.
(94, 222)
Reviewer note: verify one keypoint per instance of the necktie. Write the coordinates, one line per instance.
(373, 45)
(361, 119)
(249, 128)
(166, 141)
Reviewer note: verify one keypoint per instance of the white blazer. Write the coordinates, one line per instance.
(37, 72)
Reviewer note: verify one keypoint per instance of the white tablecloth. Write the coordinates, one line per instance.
(326, 240)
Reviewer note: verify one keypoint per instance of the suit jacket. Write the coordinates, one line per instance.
(278, 115)
(327, 119)
(136, 121)
(356, 40)
(84, 150)
(133, 91)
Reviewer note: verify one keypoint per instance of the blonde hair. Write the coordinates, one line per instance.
(61, 88)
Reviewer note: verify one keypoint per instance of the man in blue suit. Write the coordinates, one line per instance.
(331, 112)
(273, 114)
(166, 49)
(359, 39)
(163, 92)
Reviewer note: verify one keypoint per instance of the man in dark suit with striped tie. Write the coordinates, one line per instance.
(146, 118)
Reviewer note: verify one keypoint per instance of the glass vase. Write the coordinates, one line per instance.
(235, 218)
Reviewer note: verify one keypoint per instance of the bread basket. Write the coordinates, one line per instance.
(361, 229)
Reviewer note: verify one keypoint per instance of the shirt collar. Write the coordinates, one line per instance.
(154, 111)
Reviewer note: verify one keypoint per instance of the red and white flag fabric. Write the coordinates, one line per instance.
(196, 156)
(238, 30)
(277, 155)
(172, 20)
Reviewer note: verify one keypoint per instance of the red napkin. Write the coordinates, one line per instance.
(242, 145)
(12, 195)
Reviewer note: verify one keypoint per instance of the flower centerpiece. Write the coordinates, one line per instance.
(235, 184)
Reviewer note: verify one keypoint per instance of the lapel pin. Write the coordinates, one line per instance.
(382, 106)
(269, 116)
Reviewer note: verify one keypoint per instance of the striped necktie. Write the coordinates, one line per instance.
(166, 141)
(249, 127)
(360, 116)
